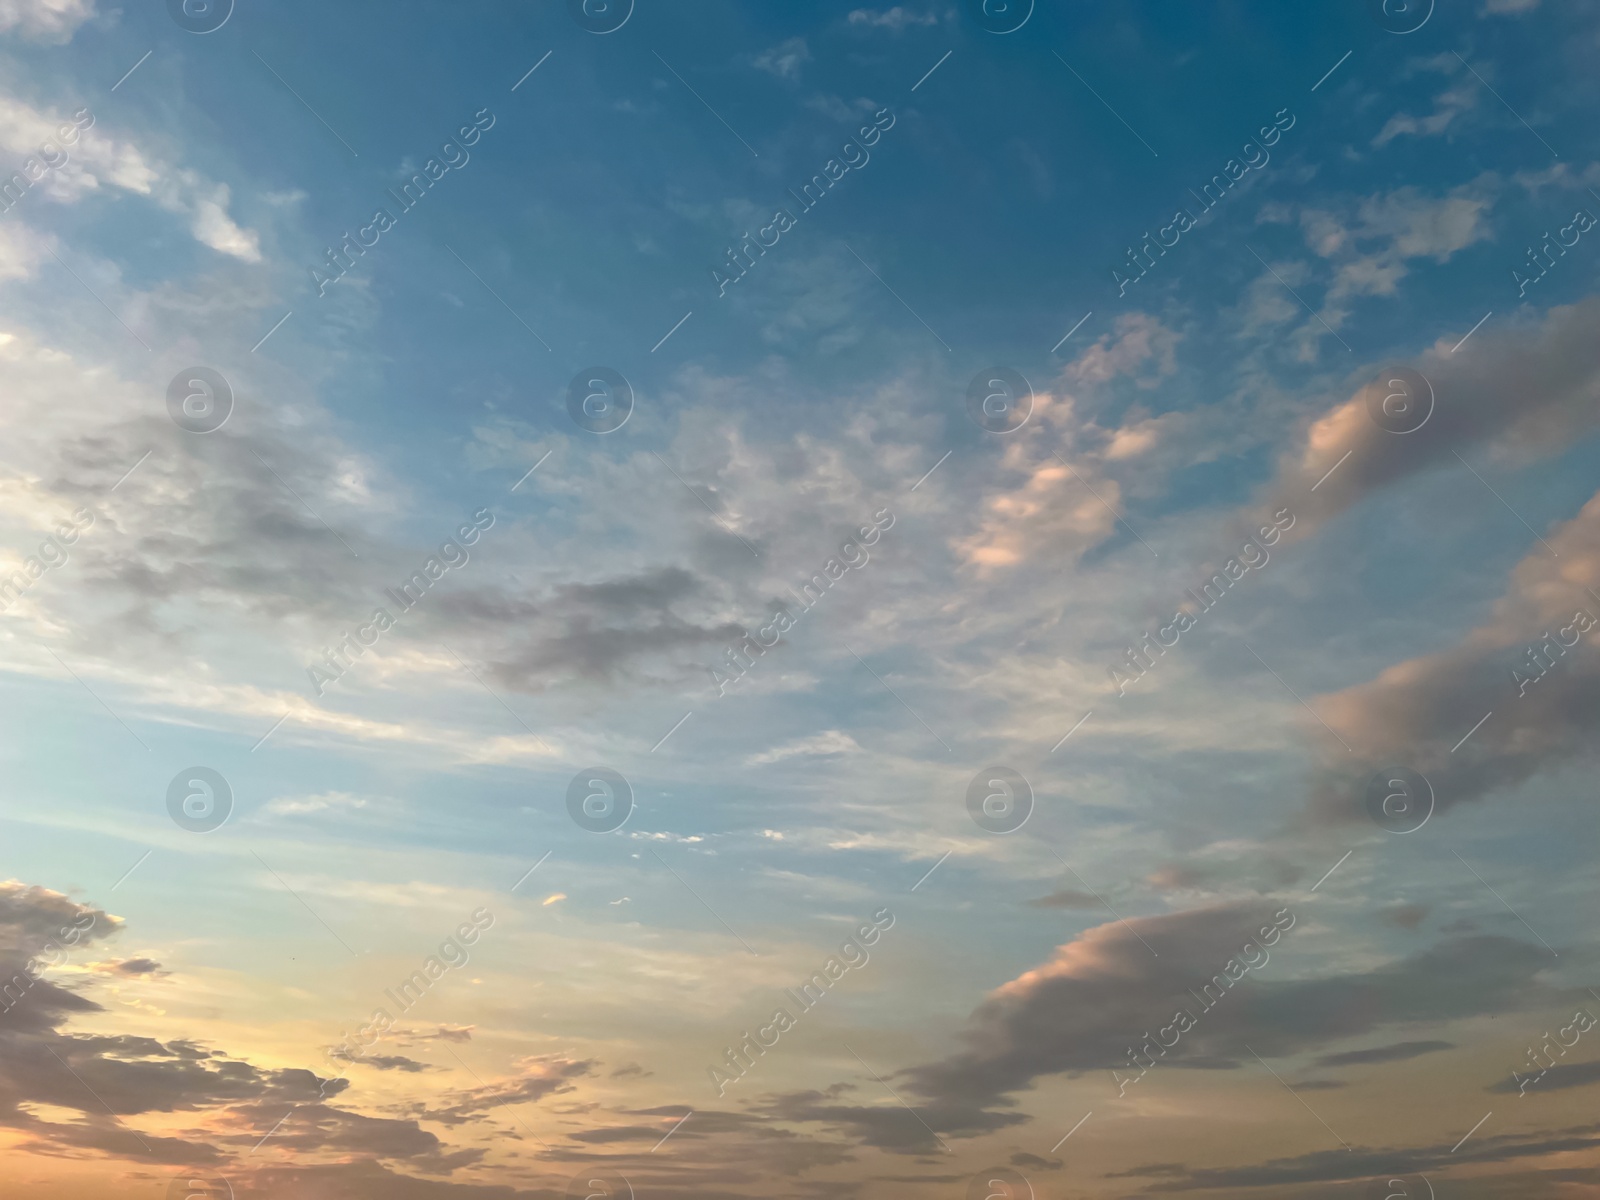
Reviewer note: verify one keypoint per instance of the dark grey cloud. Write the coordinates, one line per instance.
(237, 524)
(649, 626)
(1023, 1159)
(1554, 1079)
(1417, 713)
(384, 1062)
(1553, 369)
(896, 1129)
(369, 1180)
(1065, 898)
(133, 966)
(1363, 1163)
(106, 1077)
(1395, 1052)
(536, 1078)
(1118, 987)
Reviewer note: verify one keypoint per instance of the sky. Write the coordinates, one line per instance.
(610, 599)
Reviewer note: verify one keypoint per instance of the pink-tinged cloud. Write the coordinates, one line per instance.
(1528, 390)
(1544, 706)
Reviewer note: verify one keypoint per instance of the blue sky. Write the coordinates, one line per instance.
(981, 226)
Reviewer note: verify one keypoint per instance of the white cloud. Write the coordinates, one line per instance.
(829, 741)
(1447, 106)
(896, 18)
(784, 59)
(95, 159)
(21, 250)
(1372, 246)
(44, 20)
(299, 805)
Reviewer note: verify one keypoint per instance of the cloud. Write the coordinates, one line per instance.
(536, 1077)
(899, 1130)
(1140, 348)
(384, 1062)
(1370, 243)
(451, 1033)
(368, 1180)
(1553, 368)
(829, 741)
(97, 159)
(298, 805)
(109, 1080)
(896, 19)
(1449, 104)
(1023, 1159)
(1054, 499)
(1404, 916)
(1116, 985)
(1395, 1052)
(632, 627)
(1391, 228)
(1364, 1164)
(129, 967)
(1544, 708)
(784, 59)
(44, 20)
(22, 250)
(1065, 898)
(1565, 1075)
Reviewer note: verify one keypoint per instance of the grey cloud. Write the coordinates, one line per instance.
(537, 1078)
(131, 966)
(1566, 1075)
(1553, 369)
(894, 1129)
(385, 1062)
(601, 632)
(1065, 898)
(1022, 1159)
(1106, 993)
(1416, 713)
(374, 1181)
(1395, 1052)
(108, 1076)
(1331, 1166)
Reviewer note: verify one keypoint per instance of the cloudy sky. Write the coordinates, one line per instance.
(733, 600)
